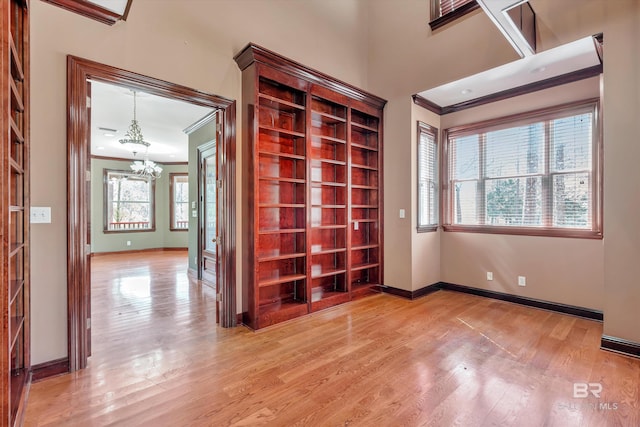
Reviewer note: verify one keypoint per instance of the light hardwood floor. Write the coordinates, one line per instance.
(445, 359)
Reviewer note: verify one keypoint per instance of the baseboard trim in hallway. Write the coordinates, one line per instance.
(49, 369)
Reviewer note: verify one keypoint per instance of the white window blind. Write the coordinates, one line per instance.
(538, 171)
(427, 177)
(443, 7)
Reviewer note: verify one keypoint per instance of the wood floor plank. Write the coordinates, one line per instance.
(445, 359)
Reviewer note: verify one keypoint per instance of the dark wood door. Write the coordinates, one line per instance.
(209, 214)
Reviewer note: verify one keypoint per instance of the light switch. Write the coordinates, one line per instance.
(402, 213)
(40, 215)
(194, 214)
(193, 205)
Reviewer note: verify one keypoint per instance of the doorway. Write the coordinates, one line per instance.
(80, 72)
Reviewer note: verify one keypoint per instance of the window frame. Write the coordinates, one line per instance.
(172, 201)
(446, 190)
(105, 203)
(431, 131)
(436, 21)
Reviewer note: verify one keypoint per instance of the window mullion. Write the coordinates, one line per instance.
(547, 181)
(481, 197)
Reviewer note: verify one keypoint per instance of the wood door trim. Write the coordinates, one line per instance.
(79, 71)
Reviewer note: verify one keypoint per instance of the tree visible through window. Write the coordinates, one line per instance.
(128, 202)
(537, 171)
(427, 178)
(179, 193)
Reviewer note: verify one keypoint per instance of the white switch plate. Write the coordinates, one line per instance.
(489, 275)
(355, 225)
(40, 215)
(193, 205)
(194, 214)
(402, 213)
(522, 281)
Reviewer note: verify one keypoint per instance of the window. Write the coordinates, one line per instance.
(445, 11)
(128, 202)
(535, 174)
(427, 178)
(179, 196)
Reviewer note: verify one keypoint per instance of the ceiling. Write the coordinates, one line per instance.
(117, 6)
(564, 59)
(162, 121)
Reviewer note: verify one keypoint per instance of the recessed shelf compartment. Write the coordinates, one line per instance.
(281, 218)
(16, 64)
(16, 133)
(279, 142)
(327, 149)
(328, 264)
(285, 193)
(16, 328)
(327, 239)
(275, 103)
(328, 195)
(364, 121)
(327, 172)
(364, 177)
(364, 197)
(281, 167)
(363, 158)
(289, 121)
(328, 216)
(15, 286)
(16, 98)
(328, 291)
(366, 234)
(278, 91)
(281, 271)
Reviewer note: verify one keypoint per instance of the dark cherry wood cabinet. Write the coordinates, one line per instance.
(312, 195)
(14, 207)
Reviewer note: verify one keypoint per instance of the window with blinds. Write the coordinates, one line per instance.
(427, 178)
(445, 11)
(537, 173)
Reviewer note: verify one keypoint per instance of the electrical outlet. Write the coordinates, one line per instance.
(355, 225)
(522, 281)
(128, 242)
(489, 275)
(402, 213)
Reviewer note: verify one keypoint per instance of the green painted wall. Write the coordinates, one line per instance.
(162, 237)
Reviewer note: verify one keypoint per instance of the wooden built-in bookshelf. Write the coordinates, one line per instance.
(14, 208)
(312, 230)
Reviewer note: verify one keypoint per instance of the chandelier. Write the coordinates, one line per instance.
(142, 168)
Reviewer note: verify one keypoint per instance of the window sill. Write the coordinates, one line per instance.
(452, 16)
(427, 228)
(527, 231)
(129, 231)
(178, 229)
